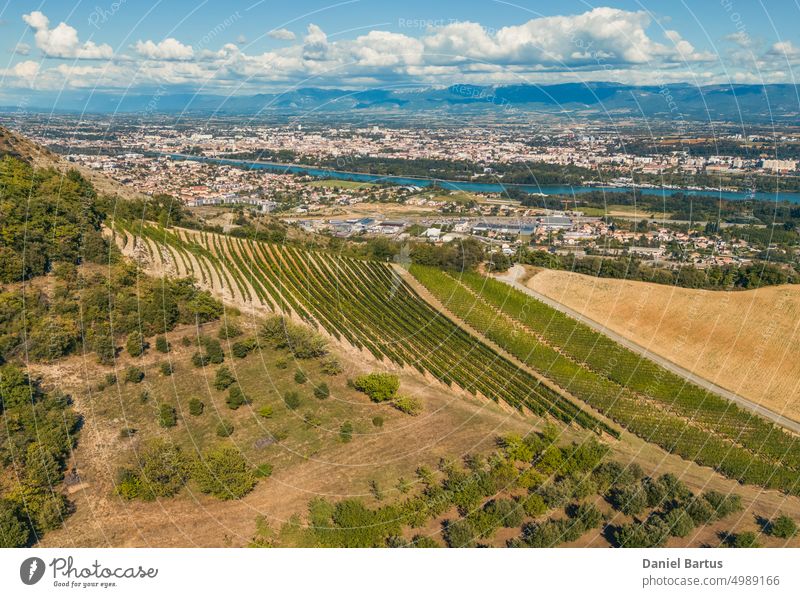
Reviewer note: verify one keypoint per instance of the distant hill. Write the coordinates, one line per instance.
(745, 103)
(20, 147)
(24, 149)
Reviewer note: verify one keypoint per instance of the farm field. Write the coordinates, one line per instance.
(649, 401)
(743, 341)
(365, 304)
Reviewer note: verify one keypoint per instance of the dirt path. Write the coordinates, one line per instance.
(511, 278)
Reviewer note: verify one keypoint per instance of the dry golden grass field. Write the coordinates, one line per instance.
(745, 341)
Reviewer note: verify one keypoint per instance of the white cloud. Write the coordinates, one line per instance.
(785, 48)
(62, 41)
(605, 44)
(22, 49)
(283, 34)
(315, 43)
(169, 49)
(26, 70)
(741, 39)
(600, 37)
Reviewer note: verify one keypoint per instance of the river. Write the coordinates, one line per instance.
(482, 187)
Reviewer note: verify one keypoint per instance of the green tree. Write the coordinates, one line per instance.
(196, 407)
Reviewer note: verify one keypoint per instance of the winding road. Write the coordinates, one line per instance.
(514, 274)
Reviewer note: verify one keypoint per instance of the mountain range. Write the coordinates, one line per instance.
(736, 103)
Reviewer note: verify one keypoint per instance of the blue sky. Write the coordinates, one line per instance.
(236, 47)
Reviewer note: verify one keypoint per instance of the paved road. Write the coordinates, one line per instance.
(514, 274)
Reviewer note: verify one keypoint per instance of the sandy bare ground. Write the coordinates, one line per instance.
(745, 342)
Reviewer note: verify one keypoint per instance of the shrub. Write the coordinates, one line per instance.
(505, 512)
(322, 391)
(587, 516)
(679, 521)
(423, 541)
(163, 470)
(700, 511)
(186, 341)
(533, 505)
(225, 428)
(128, 484)
(110, 379)
(223, 378)
(167, 416)
(407, 404)
(376, 491)
(300, 377)
(13, 530)
(302, 342)
(200, 360)
(723, 504)
(166, 369)
(652, 533)
(213, 350)
(243, 348)
(144, 396)
(136, 344)
(196, 407)
(127, 432)
(134, 375)
(292, 400)
(629, 499)
(403, 485)
(460, 533)
(746, 539)
(782, 527)
(229, 330)
(377, 421)
(346, 432)
(265, 411)
(224, 473)
(281, 364)
(378, 386)
(263, 470)
(161, 344)
(331, 366)
(236, 398)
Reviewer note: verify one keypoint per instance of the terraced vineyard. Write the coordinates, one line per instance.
(362, 302)
(648, 400)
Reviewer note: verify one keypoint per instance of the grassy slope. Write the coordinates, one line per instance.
(743, 341)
